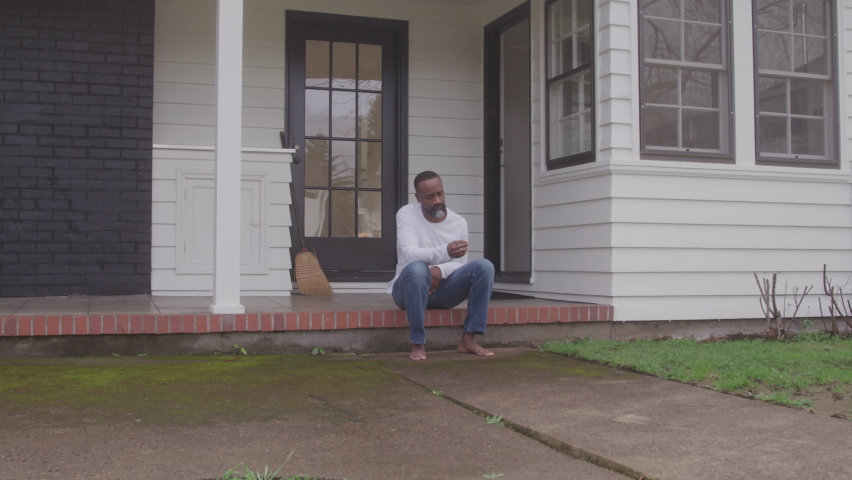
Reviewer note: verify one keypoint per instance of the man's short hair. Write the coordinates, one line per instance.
(422, 177)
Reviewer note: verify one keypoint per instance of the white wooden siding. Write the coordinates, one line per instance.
(688, 238)
(679, 240)
(445, 83)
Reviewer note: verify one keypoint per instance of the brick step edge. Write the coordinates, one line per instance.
(122, 324)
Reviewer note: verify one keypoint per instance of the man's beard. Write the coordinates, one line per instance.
(438, 210)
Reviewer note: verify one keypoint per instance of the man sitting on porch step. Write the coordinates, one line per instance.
(432, 269)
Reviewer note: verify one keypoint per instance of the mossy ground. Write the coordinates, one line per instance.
(183, 390)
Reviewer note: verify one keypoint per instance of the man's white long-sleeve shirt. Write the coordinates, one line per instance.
(417, 239)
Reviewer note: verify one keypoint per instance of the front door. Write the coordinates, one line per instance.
(345, 110)
(508, 205)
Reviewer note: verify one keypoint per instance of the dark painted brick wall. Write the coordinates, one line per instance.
(76, 79)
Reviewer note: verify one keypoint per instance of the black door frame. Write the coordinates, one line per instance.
(492, 118)
(296, 23)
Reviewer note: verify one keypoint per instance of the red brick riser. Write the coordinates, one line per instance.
(41, 325)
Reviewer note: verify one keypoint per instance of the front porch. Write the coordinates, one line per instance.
(158, 315)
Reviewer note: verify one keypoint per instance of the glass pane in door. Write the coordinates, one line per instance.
(369, 67)
(343, 177)
(343, 65)
(316, 63)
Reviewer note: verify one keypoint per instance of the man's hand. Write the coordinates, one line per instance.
(437, 276)
(457, 249)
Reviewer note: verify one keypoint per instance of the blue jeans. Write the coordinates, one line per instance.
(473, 281)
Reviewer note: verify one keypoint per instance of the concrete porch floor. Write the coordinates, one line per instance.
(163, 305)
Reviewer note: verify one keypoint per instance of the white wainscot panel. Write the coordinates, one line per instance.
(195, 223)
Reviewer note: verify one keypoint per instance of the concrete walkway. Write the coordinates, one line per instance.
(374, 417)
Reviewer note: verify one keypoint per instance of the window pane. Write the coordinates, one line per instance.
(370, 115)
(703, 43)
(370, 214)
(773, 51)
(316, 63)
(570, 130)
(809, 55)
(773, 134)
(342, 213)
(661, 85)
(808, 136)
(316, 213)
(772, 93)
(316, 113)
(343, 114)
(343, 65)
(662, 39)
(806, 97)
(370, 67)
(700, 89)
(810, 17)
(661, 127)
(565, 61)
(584, 14)
(708, 11)
(661, 8)
(561, 18)
(342, 163)
(773, 14)
(700, 129)
(567, 136)
(369, 164)
(575, 92)
(584, 47)
(316, 163)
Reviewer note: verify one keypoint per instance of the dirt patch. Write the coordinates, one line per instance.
(831, 400)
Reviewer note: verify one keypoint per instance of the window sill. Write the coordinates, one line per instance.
(695, 169)
(683, 156)
(799, 163)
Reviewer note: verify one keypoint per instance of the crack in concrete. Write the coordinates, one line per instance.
(546, 440)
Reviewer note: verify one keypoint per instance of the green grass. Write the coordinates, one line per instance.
(783, 368)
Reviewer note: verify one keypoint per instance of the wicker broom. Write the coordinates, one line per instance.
(309, 274)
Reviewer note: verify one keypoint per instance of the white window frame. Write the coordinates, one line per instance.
(831, 159)
(587, 69)
(725, 154)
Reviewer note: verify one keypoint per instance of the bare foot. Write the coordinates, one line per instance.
(469, 345)
(418, 352)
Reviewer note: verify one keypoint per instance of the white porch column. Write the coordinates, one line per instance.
(229, 101)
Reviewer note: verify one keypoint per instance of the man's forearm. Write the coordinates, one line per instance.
(448, 268)
(431, 256)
